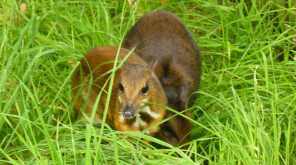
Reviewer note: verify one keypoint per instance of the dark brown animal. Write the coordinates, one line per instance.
(134, 84)
(162, 35)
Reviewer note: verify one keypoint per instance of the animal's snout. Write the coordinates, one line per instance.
(128, 113)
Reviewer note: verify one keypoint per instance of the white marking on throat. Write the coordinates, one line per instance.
(139, 122)
(148, 111)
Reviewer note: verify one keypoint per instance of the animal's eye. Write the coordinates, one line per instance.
(145, 89)
(121, 87)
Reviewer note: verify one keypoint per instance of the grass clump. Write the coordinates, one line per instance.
(245, 112)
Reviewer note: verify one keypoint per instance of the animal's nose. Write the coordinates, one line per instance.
(128, 113)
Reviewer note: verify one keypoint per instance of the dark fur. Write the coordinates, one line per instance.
(162, 35)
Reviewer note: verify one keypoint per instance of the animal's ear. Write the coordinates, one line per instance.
(183, 93)
(152, 65)
(125, 64)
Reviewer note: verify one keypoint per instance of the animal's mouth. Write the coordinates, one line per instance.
(128, 113)
(128, 116)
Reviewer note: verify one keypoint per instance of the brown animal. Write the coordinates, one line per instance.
(162, 35)
(134, 84)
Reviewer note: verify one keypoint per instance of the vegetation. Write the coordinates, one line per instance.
(245, 112)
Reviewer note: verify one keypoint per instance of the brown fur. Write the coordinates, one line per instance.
(133, 76)
(162, 35)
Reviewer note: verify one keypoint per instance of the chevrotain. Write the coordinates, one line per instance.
(134, 84)
(163, 35)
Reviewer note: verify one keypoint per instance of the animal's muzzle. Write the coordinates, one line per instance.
(128, 113)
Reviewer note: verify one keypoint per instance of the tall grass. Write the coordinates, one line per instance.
(245, 112)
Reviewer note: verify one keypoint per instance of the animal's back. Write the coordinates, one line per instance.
(163, 35)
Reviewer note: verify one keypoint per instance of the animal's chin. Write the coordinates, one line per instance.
(128, 117)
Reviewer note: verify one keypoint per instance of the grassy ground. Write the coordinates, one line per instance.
(245, 112)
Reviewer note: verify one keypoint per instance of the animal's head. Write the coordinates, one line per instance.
(134, 87)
